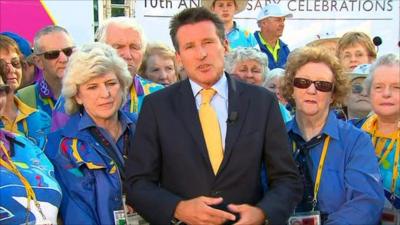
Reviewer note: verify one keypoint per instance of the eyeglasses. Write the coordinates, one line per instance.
(15, 62)
(320, 85)
(4, 89)
(357, 88)
(54, 54)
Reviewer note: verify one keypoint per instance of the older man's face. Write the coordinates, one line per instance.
(128, 44)
(272, 26)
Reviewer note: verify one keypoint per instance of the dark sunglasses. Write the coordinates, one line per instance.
(320, 85)
(4, 89)
(15, 62)
(357, 88)
(54, 54)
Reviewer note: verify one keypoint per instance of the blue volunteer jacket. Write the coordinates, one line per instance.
(88, 176)
(282, 54)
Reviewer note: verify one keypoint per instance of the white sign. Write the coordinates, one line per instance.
(75, 16)
(310, 18)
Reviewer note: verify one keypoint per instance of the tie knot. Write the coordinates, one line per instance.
(206, 95)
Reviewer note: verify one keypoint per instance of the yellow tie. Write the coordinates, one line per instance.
(211, 130)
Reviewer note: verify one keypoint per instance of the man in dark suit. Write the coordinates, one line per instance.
(172, 170)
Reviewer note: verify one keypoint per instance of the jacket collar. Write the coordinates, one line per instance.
(331, 127)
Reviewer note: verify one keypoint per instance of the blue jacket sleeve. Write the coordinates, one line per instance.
(72, 210)
(364, 191)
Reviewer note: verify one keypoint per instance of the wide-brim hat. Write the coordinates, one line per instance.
(323, 37)
(241, 5)
(273, 10)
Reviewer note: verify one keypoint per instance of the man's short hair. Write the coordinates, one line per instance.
(37, 48)
(192, 16)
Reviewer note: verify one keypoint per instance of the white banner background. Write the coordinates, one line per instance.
(310, 18)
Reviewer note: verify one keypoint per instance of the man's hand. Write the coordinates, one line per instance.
(199, 211)
(249, 215)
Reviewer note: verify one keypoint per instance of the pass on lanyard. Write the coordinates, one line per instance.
(319, 171)
(28, 188)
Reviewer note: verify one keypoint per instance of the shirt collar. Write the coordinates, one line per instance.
(86, 121)
(234, 27)
(277, 46)
(221, 87)
(330, 128)
(23, 108)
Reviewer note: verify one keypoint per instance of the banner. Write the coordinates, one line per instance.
(311, 18)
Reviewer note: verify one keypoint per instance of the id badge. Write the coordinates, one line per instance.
(390, 216)
(305, 218)
(122, 217)
(119, 217)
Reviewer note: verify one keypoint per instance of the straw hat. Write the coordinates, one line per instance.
(323, 37)
(241, 5)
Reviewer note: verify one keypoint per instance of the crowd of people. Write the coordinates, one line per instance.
(229, 127)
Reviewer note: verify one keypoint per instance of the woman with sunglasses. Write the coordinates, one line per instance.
(383, 85)
(357, 102)
(28, 191)
(88, 153)
(336, 160)
(18, 117)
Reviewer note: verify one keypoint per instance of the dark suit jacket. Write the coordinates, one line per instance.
(169, 160)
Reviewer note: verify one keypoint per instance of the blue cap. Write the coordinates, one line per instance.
(22, 43)
(361, 70)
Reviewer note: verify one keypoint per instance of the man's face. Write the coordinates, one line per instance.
(272, 26)
(128, 44)
(201, 52)
(54, 67)
(225, 9)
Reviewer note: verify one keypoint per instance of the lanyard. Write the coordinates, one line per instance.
(378, 150)
(49, 101)
(395, 166)
(319, 171)
(28, 188)
(134, 100)
(25, 126)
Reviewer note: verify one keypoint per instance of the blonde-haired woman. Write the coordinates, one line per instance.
(88, 152)
(383, 86)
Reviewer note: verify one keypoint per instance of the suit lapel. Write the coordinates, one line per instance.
(238, 103)
(186, 108)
